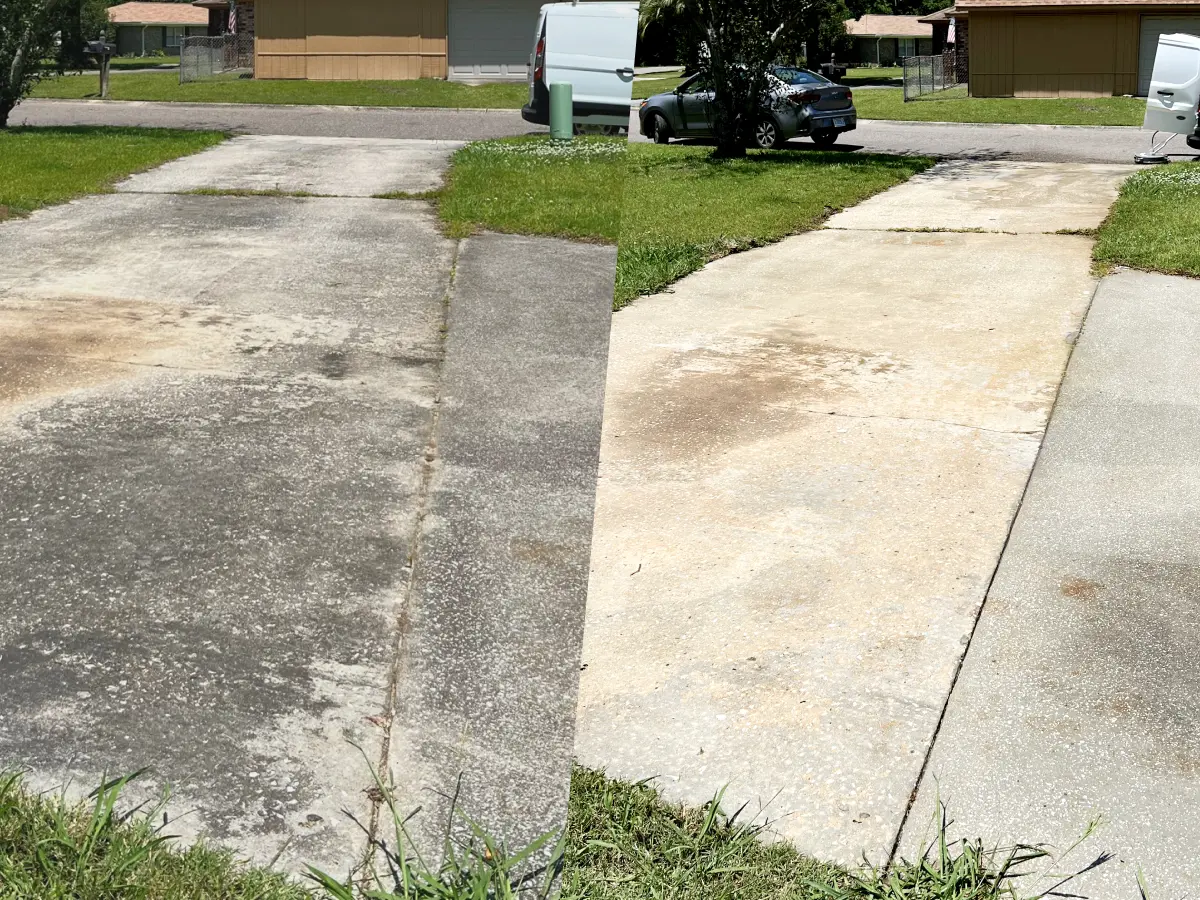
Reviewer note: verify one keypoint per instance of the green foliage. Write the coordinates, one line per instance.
(684, 208)
(27, 29)
(41, 166)
(1155, 223)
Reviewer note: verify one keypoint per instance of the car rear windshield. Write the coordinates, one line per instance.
(789, 75)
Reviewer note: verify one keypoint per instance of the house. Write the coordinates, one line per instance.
(885, 40)
(144, 28)
(392, 39)
(1067, 48)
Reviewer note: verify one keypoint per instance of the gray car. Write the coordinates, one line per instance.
(801, 103)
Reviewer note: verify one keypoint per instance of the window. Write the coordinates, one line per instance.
(172, 37)
(907, 47)
(792, 75)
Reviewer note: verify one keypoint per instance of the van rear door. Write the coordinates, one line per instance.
(1175, 85)
(592, 45)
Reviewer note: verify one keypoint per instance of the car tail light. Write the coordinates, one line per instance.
(850, 95)
(802, 97)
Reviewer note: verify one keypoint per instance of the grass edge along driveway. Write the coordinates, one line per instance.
(44, 166)
(1155, 223)
(684, 209)
(165, 86)
(956, 106)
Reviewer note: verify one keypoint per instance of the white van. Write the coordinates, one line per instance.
(590, 44)
(1173, 102)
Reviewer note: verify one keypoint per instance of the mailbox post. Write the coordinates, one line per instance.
(103, 51)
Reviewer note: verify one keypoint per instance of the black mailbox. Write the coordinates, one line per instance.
(103, 51)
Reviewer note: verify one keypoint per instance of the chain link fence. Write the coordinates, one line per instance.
(931, 74)
(203, 58)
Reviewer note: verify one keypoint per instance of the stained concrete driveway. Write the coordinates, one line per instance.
(279, 474)
(1080, 694)
(806, 483)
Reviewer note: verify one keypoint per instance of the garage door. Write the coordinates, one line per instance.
(491, 38)
(1152, 27)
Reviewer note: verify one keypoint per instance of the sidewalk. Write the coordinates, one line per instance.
(812, 455)
(1080, 694)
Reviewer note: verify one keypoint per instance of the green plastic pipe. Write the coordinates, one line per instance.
(562, 111)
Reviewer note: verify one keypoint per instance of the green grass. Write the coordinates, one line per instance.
(956, 106)
(683, 208)
(625, 843)
(54, 849)
(1155, 223)
(41, 166)
(166, 86)
(531, 185)
(873, 75)
(648, 87)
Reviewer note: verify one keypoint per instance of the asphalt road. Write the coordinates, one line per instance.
(303, 121)
(1022, 143)
(1031, 143)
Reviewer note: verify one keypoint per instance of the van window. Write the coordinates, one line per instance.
(1176, 65)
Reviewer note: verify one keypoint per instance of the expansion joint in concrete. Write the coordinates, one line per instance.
(962, 657)
(403, 620)
(843, 415)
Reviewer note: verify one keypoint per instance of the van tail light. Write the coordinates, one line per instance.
(539, 60)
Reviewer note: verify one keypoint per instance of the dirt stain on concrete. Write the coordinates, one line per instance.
(744, 388)
(1081, 588)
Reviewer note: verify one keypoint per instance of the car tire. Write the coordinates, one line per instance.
(660, 130)
(825, 138)
(767, 135)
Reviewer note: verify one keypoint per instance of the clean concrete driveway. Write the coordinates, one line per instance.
(1080, 694)
(280, 473)
(309, 121)
(1028, 143)
(806, 485)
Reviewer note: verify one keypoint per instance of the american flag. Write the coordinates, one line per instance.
(232, 18)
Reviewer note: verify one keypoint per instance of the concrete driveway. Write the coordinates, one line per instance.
(304, 121)
(806, 485)
(280, 474)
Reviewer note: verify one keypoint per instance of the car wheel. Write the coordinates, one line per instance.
(660, 129)
(824, 138)
(766, 135)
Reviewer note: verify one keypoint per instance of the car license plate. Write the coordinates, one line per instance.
(839, 123)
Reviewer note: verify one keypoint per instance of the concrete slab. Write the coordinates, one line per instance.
(1080, 693)
(251, 475)
(1018, 197)
(341, 167)
(491, 663)
(805, 486)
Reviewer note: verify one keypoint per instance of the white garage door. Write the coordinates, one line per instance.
(1152, 27)
(491, 38)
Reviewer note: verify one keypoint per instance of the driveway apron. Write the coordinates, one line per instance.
(272, 477)
(1080, 694)
(812, 455)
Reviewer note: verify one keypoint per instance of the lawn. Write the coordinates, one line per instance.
(660, 84)
(1155, 223)
(166, 86)
(41, 166)
(873, 75)
(532, 185)
(683, 208)
(956, 106)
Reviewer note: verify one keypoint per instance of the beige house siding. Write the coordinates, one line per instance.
(350, 39)
(1056, 53)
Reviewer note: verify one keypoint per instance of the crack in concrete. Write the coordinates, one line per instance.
(844, 415)
(403, 621)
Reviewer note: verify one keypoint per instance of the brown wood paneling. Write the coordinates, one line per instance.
(351, 39)
(991, 59)
(1125, 72)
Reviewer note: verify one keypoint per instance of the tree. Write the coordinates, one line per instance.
(27, 34)
(733, 43)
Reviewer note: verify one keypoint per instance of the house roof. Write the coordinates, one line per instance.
(942, 15)
(157, 14)
(1056, 4)
(889, 26)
